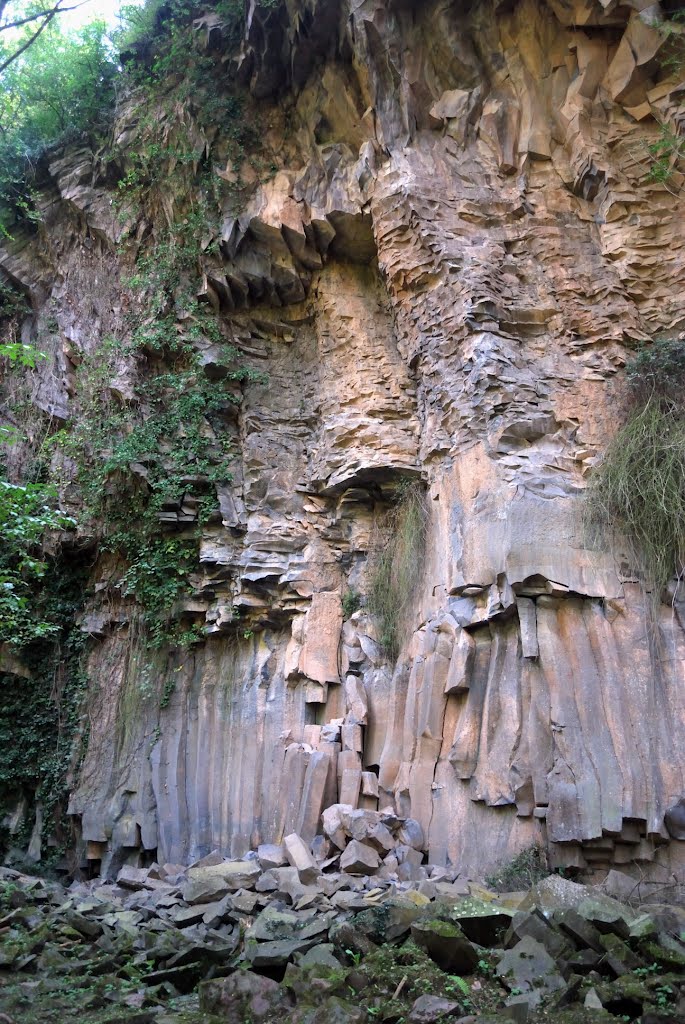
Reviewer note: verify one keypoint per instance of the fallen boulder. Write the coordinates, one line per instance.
(360, 859)
(242, 996)
(446, 945)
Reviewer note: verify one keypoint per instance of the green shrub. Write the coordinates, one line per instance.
(638, 491)
(61, 87)
(397, 566)
(13, 308)
(160, 450)
(26, 514)
(657, 371)
(154, 39)
(136, 459)
(666, 153)
(41, 724)
(351, 602)
(524, 871)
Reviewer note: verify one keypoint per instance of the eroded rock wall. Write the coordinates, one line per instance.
(442, 281)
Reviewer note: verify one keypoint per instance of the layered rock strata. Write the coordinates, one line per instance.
(442, 282)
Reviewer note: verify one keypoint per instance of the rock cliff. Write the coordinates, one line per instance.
(438, 280)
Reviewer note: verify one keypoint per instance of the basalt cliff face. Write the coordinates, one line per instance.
(441, 281)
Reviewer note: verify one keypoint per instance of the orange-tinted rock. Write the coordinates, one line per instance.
(458, 250)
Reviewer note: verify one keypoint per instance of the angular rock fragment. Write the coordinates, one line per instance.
(578, 929)
(300, 857)
(530, 968)
(592, 1001)
(380, 838)
(619, 956)
(370, 784)
(345, 936)
(537, 926)
(132, 878)
(273, 923)
(481, 922)
(242, 996)
(359, 859)
(206, 885)
(358, 823)
(285, 883)
(408, 855)
(277, 953)
(411, 834)
(333, 817)
(446, 944)
(271, 855)
(553, 893)
(244, 901)
(321, 849)
(216, 913)
(391, 919)
(430, 1009)
(607, 915)
(674, 819)
(185, 916)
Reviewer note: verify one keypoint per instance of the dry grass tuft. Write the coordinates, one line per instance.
(398, 566)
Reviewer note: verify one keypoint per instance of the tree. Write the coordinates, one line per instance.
(30, 22)
(59, 86)
(26, 513)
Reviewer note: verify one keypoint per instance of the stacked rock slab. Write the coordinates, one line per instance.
(443, 280)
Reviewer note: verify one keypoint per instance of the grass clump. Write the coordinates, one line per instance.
(524, 871)
(638, 491)
(398, 565)
(352, 601)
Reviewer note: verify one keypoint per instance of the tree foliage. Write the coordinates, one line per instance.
(58, 88)
(26, 513)
(151, 31)
(21, 24)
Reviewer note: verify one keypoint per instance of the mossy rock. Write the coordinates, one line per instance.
(578, 1015)
(333, 1011)
(667, 953)
(446, 945)
(631, 994)
(390, 920)
(482, 922)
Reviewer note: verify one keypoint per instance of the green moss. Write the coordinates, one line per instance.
(446, 929)
(389, 966)
(669, 957)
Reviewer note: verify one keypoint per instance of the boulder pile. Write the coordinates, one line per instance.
(279, 937)
(361, 842)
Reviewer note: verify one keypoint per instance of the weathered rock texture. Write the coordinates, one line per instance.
(464, 244)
